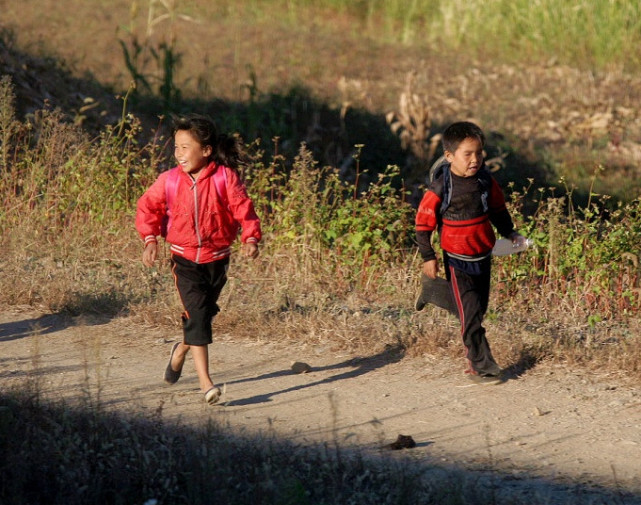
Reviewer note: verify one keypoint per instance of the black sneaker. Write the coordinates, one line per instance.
(493, 370)
(436, 292)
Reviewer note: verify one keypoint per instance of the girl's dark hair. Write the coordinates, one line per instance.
(458, 132)
(226, 150)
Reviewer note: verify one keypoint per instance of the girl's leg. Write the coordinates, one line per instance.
(199, 287)
(201, 362)
(178, 358)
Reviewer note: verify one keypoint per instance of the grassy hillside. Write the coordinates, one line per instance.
(328, 74)
(77, 172)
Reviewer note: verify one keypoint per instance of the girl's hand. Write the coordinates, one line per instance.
(250, 250)
(150, 254)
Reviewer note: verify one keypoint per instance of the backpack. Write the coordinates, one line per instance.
(171, 189)
(441, 167)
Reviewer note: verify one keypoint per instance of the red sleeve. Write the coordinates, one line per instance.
(242, 208)
(151, 209)
(426, 217)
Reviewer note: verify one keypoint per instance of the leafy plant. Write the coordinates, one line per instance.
(153, 63)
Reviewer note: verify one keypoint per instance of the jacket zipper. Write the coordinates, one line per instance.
(200, 242)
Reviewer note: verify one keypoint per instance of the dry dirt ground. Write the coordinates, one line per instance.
(564, 428)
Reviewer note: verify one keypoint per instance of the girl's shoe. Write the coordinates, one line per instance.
(212, 395)
(171, 375)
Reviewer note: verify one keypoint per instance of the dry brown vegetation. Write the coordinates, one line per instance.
(546, 122)
(555, 121)
(574, 300)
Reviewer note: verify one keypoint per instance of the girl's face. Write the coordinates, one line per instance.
(467, 159)
(189, 153)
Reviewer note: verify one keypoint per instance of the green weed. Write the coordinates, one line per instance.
(334, 247)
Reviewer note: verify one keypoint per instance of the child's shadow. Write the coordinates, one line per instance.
(527, 360)
(49, 323)
(358, 366)
(46, 324)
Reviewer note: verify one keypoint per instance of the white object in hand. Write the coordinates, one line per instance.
(505, 246)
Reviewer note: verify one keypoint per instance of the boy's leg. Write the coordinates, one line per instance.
(471, 293)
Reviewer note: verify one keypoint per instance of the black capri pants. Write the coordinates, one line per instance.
(199, 286)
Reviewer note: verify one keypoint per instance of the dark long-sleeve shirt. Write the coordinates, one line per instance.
(465, 228)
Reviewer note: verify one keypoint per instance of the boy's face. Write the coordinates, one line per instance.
(189, 153)
(467, 159)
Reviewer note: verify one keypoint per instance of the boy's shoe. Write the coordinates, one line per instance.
(436, 292)
(212, 395)
(493, 370)
(171, 375)
(486, 379)
(492, 375)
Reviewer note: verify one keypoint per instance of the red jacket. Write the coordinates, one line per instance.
(202, 227)
(465, 228)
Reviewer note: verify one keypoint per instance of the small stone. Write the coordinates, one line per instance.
(300, 367)
(402, 442)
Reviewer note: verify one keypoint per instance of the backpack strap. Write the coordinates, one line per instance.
(484, 178)
(485, 181)
(220, 181)
(447, 188)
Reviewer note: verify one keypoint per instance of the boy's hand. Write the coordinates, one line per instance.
(150, 254)
(517, 239)
(250, 250)
(430, 268)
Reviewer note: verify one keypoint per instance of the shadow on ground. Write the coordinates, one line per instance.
(130, 459)
(355, 367)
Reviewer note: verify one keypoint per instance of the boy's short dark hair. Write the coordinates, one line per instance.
(458, 132)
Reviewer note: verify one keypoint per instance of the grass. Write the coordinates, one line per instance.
(54, 453)
(550, 116)
(332, 248)
(590, 33)
(343, 270)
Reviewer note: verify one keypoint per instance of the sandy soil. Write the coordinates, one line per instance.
(552, 424)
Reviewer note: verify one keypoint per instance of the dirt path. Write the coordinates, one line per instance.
(551, 423)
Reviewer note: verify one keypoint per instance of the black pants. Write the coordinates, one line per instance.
(471, 294)
(199, 286)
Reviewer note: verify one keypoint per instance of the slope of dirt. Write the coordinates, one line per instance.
(560, 428)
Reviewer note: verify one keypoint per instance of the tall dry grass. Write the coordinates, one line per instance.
(338, 263)
(590, 33)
